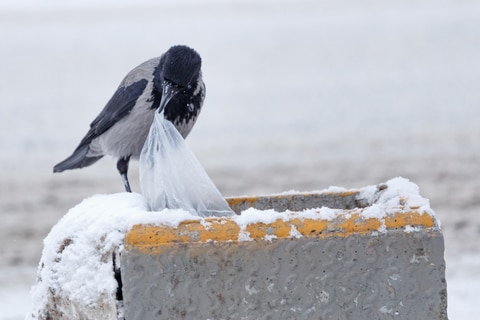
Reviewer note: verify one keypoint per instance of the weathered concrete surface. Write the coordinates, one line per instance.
(396, 275)
(298, 201)
(336, 268)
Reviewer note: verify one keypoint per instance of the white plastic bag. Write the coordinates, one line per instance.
(171, 176)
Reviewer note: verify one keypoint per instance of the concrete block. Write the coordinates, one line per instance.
(353, 265)
(372, 253)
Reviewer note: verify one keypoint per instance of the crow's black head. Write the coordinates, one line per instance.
(181, 66)
(178, 73)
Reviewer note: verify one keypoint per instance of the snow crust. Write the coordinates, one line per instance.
(76, 260)
(397, 194)
(392, 196)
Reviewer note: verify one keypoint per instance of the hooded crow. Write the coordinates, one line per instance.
(171, 83)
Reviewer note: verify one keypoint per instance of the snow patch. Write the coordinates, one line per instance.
(397, 192)
(395, 195)
(294, 233)
(77, 256)
(409, 229)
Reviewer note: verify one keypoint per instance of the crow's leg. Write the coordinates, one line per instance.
(122, 166)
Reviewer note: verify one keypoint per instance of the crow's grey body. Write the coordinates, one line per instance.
(127, 135)
(172, 82)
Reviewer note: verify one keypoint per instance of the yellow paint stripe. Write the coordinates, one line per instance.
(149, 238)
(234, 202)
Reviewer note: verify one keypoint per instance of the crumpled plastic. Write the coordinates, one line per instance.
(172, 177)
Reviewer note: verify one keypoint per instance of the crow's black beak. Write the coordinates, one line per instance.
(169, 90)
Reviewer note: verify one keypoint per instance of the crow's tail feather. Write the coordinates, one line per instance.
(78, 159)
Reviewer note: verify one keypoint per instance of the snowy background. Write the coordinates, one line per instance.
(300, 95)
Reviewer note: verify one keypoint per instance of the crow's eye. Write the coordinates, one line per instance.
(190, 107)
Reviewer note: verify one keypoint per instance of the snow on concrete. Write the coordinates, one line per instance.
(76, 261)
(397, 194)
(394, 194)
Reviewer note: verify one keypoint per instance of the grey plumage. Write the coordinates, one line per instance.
(171, 83)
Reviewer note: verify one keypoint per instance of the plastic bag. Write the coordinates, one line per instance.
(171, 176)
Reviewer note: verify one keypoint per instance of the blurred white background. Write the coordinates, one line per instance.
(300, 95)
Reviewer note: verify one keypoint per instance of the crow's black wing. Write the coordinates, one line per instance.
(117, 107)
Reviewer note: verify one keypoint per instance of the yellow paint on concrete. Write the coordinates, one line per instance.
(150, 238)
(409, 218)
(341, 194)
(147, 236)
(234, 202)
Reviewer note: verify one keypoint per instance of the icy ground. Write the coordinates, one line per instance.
(300, 95)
